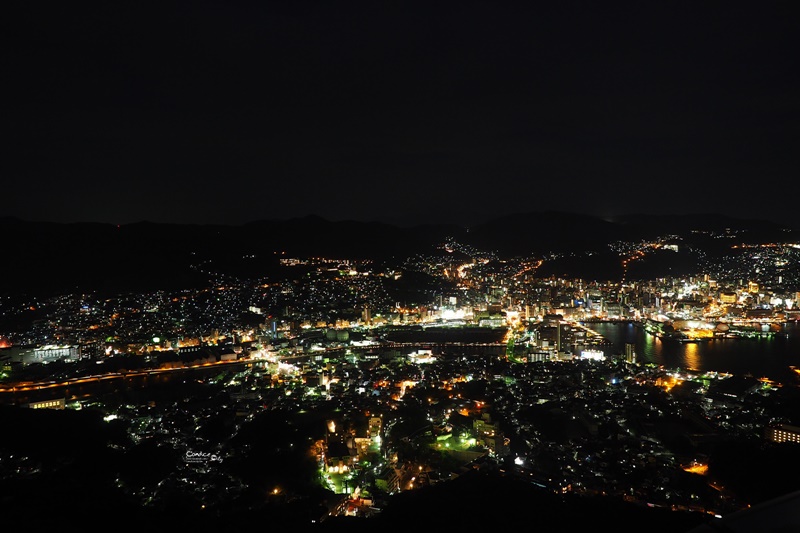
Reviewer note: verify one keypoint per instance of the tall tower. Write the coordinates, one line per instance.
(630, 352)
(558, 337)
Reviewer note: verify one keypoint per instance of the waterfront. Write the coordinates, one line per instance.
(770, 357)
(465, 335)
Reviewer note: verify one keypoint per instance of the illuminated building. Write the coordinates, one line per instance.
(727, 297)
(388, 480)
(630, 352)
(375, 424)
(783, 433)
(43, 354)
(48, 404)
(538, 355)
(595, 355)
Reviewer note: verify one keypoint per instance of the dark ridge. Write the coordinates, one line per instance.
(524, 234)
(47, 257)
(704, 221)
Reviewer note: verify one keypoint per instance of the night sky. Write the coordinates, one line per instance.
(403, 112)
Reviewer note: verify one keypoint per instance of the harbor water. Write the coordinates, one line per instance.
(771, 357)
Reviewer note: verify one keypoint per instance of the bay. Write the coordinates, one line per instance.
(768, 357)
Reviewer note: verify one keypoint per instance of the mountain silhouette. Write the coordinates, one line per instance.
(50, 257)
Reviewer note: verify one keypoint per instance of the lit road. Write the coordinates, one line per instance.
(22, 386)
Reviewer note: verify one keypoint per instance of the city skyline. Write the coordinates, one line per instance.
(406, 114)
(343, 388)
(368, 264)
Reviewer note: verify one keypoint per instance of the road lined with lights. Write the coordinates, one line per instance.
(22, 386)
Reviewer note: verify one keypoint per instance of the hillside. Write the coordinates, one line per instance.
(46, 257)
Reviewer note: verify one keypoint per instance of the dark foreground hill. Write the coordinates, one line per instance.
(63, 470)
(478, 501)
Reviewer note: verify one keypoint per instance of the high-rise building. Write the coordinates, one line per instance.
(630, 352)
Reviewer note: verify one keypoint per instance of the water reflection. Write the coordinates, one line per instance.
(768, 357)
(691, 356)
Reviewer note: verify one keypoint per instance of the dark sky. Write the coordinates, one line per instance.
(406, 112)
